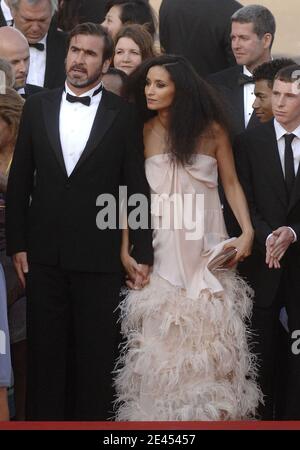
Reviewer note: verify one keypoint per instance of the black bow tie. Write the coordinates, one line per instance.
(38, 45)
(84, 100)
(244, 79)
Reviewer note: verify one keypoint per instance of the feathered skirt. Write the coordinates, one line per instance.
(186, 359)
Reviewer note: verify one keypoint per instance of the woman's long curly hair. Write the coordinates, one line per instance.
(195, 108)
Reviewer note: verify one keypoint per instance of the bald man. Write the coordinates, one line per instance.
(15, 49)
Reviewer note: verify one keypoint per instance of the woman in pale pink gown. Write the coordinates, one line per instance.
(186, 353)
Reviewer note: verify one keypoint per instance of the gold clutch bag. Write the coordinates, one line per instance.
(222, 259)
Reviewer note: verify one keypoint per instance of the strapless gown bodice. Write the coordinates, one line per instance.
(187, 218)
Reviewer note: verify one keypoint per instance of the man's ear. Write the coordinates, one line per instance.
(106, 65)
(267, 40)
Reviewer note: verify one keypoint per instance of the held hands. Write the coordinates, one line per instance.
(276, 246)
(21, 266)
(138, 275)
(243, 245)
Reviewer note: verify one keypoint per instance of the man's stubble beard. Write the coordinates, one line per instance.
(86, 83)
(18, 85)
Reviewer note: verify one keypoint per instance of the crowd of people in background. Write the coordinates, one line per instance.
(98, 94)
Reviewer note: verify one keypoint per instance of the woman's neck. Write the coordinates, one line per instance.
(163, 119)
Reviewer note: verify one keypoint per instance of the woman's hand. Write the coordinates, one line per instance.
(243, 244)
(137, 274)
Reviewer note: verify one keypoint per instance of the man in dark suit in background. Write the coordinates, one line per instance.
(75, 144)
(14, 48)
(200, 31)
(267, 160)
(47, 45)
(252, 35)
(263, 77)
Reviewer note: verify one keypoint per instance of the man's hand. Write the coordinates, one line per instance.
(276, 246)
(284, 238)
(270, 260)
(21, 266)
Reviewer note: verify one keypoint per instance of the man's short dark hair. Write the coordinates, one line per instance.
(261, 17)
(267, 71)
(289, 74)
(93, 29)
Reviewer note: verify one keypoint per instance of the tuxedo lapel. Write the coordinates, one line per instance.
(51, 109)
(274, 171)
(55, 58)
(105, 116)
(295, 196)
(238, 98)
(51, 50)
(239, 107)
(254, 121)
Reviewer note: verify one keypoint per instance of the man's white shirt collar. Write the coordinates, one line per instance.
(89, 93)
(247, 72)
(280, 131)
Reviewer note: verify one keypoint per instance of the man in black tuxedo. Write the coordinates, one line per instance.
(76, 146)
(14, 48)
(267, 160)
(200, 31)
(252, 35)
(5, 14)
(47, 44)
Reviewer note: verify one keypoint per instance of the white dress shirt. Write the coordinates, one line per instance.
(75, 125)
(37, 68)
(7, 13)
(249, 97)
(280, 132)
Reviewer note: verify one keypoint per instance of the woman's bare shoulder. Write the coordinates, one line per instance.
(153, 142)
(219, 131)
(211, 139)
(148, 126)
